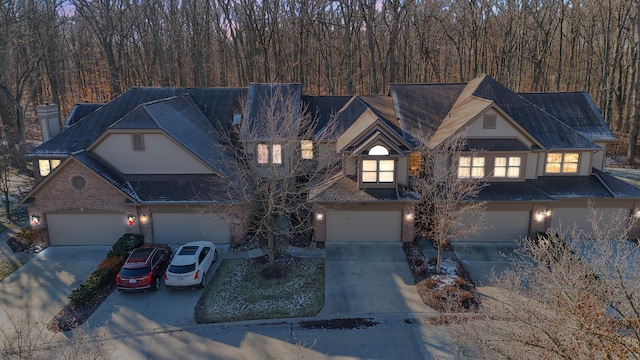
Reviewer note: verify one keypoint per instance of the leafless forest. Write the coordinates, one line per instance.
(92, 50)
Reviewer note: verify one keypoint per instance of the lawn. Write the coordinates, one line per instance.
(7, 267)
(239, 291)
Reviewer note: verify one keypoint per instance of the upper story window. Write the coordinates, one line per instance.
(46, 166)
(269, 154)
(137, 142)
(489, 121)
(507, 166)
(416, 164)
(378, 170)
(306, 148)
(471, 167)
(562, 163)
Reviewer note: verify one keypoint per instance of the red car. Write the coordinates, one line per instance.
(144, 268)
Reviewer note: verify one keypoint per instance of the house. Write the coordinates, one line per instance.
(155, 161)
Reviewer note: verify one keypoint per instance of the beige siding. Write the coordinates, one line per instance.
(586, 162)
(356, 129)
(79, 228)
(176, 228)
(532, 165)
(161, 155)
(599, 156)
(363, 225)
(504, 129)
(350, 165)
(326, 153)
(402, 168)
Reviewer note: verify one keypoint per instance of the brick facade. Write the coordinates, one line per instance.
(540, 220)
(408, 223)
(319, 223)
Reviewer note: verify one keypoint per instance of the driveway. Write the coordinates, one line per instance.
(42, 285)
(368, 278)
(482, 258)
(130, 312)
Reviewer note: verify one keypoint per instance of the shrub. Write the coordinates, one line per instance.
(107, 269)
(28, 236)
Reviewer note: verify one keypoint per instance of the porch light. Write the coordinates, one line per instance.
(35, 219)
(409, 216)
(319, 216)
(144, 218)
(540, 216)
(131, 219)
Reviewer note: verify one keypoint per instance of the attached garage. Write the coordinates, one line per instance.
(359, 225)
(176, 228)
(503, 226)
(567, 218)
(82, 228)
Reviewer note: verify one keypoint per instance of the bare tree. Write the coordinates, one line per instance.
(281, 156)
(571, 295)
(447, 209)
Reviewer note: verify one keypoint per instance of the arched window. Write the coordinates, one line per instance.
(378, 150)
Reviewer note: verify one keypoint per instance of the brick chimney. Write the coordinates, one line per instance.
(49, 120)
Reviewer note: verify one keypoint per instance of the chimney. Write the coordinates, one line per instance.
(49, 120)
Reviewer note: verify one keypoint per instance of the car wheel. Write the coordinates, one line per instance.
(203, 282)
(156, 284)
(215, 255)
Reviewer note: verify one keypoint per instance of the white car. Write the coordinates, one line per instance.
(190, 264)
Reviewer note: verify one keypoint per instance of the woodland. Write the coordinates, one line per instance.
(90, 51)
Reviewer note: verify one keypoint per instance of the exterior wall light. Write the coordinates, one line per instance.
(35, 219)
(540, 216)
(409, 216)
(131, 219)
(319, 216)
(144, 219)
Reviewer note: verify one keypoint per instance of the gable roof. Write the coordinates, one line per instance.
(79, 111)
(217, 104)
(323, 108)
(261, 98)
(577, 110)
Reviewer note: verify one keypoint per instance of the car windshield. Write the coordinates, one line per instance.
(188, 250)
(182, 269)
(124, 272)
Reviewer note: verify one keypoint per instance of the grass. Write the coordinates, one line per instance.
(7, 267)
(240, 292)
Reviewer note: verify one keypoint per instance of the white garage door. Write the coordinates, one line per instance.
(503, 226)
(364, 225)
(179, 228)
(566, 218)
(85, 229)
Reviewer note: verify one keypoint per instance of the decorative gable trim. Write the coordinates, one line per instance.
(377, 138)
(374, 123)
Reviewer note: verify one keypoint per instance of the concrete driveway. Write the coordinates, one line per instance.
(130, 312)
(42, 285)
(483, 258)
(369, 278)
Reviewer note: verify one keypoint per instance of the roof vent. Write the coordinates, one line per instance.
(237, 119)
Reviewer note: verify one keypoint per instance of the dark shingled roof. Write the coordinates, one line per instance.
(511, 191)
(345, 189)
(349, 114)
(324, 108)
(260, 100)
(109, 174)
(575, 109)
(495, 145)
(217, 104)
(619, 188)
(79, 111)
(422, 107)
(568, 187)
(549, 131)
(181, 188)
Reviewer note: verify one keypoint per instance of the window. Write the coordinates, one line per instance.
(416, 164)
(508, 167)
(306, 147)
(378, 171)
(562, 163)
(46, 166)
(471, 167)
(138, 142)
(266, 157)
(489, 121)
(78, 182)
(378, 150)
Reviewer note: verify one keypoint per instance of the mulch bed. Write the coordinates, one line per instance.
(71, 316)
(443, 293)
(17, 245)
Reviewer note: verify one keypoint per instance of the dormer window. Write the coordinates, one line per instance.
(306, 149)
(378, 170)
(471, 167)
(137, 142)
(46, 166)
(562, 163)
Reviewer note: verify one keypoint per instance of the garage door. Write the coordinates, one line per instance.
(503, 226)
(566, 218)
(179, 228)
(364, 225)
(85, 229)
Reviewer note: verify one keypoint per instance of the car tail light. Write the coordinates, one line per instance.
(165, 276)
(195, 277)
(147, 278)
(117, 278)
